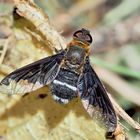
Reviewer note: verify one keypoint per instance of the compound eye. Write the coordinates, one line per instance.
(88, 38)
(78, 34)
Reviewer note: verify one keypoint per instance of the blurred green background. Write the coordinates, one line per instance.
(115, 51)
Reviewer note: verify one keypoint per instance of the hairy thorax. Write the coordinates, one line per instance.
(75, 57)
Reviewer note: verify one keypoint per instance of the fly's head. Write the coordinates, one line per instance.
(83, 35)
(82, 38)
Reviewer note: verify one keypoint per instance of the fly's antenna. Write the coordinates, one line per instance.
(85, 31)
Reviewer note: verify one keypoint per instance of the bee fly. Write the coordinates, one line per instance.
(68, 74)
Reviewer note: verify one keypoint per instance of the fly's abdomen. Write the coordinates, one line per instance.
(64, 87)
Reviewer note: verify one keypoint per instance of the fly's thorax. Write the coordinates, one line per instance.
(75, 57)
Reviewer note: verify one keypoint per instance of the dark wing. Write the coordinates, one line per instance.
(33, 76)
(95, 98)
